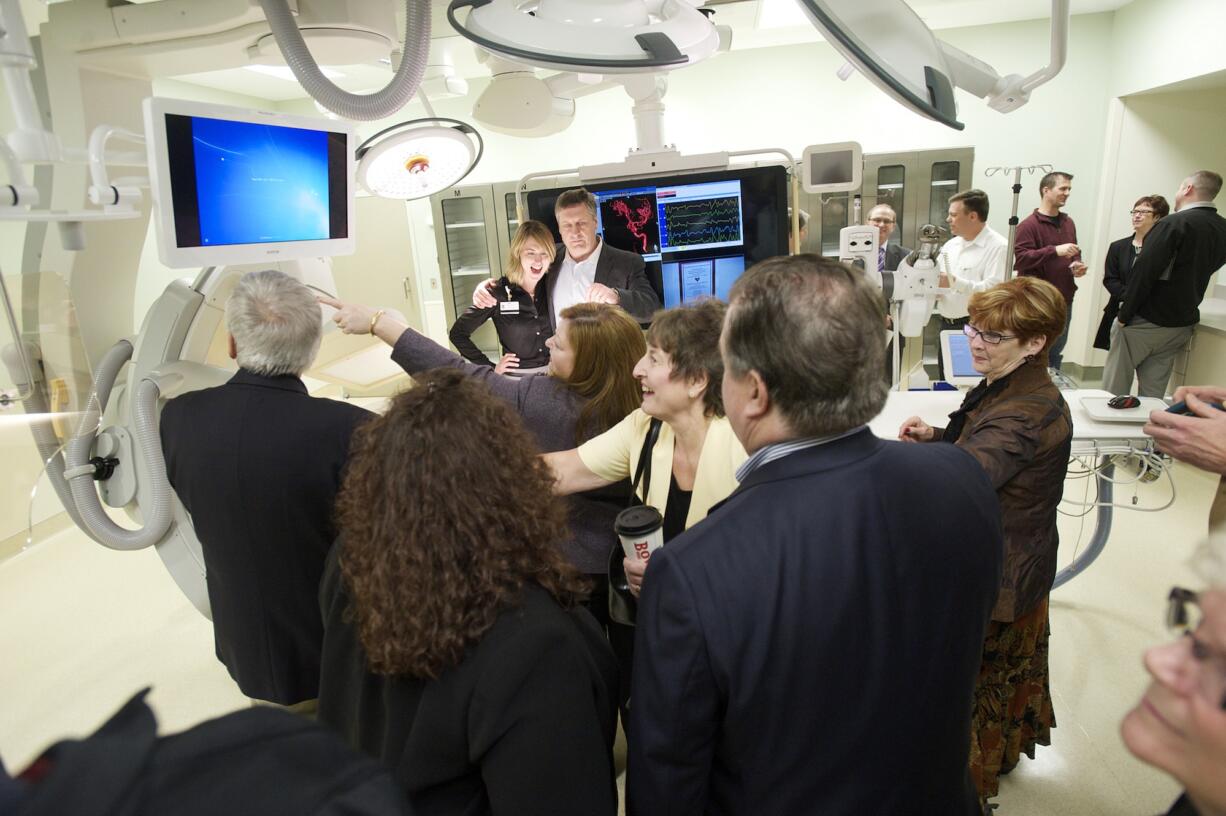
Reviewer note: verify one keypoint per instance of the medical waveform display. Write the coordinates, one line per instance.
(697, 232)
(703, 222)
(239, 182)
(629, 221)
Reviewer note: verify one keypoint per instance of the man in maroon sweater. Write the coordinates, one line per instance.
(1046, 247)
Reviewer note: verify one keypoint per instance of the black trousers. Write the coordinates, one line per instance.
(621, 639)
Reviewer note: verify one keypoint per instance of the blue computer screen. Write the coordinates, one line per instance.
(960, 354)
(259, 183)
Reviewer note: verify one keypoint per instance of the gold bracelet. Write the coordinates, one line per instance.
(375, 319)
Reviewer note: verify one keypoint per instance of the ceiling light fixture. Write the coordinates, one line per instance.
(606, 36)
(419, 158)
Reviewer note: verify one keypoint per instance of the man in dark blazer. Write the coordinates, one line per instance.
(257, 463)
(1167, 283)
(589, 270)
(812, 645)
(889, 256)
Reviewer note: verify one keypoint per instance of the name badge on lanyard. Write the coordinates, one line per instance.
(508, 307)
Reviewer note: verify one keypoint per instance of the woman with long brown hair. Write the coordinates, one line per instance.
(454, 649)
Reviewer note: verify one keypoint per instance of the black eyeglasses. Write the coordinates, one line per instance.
(989, 337)
(1140, 212)
(1213, 674)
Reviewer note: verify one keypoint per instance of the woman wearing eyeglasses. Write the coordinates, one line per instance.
(1146, 212)
(1179, 726)
(1018, 426)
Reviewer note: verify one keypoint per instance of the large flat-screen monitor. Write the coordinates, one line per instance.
(234, 186)
(696, 232)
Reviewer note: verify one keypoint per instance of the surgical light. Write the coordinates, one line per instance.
(418, 158)
(889, 43)
(602, 36)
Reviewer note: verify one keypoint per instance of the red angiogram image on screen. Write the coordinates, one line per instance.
(635, 220)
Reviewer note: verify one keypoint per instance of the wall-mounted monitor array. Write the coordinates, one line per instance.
(696, 232)
(233, 186)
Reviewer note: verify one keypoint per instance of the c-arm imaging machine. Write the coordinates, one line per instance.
(113, 455)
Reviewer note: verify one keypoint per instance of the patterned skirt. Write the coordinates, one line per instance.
(1013, 710)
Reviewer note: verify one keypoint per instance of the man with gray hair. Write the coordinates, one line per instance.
(812, 645)
(257, 463)
(1161, 305)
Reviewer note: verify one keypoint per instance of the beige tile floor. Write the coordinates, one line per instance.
(82, 628)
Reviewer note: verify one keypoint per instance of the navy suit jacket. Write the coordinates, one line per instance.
(616, 269)
(812, 645)
(258, 462)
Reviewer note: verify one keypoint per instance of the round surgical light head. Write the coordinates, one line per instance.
(599, 36)
(418, 158)
(893, 48)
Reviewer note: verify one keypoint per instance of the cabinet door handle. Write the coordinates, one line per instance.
(408, 288)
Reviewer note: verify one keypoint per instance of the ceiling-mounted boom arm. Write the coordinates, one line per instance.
(1012, 91)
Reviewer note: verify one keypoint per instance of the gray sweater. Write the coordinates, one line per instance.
(549, 410)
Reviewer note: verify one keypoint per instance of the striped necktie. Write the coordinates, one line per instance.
(881, 259)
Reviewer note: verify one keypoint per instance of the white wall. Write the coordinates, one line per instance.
(1157, 42)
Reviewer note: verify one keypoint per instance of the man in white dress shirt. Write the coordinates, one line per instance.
(974, 259)
(971, 261)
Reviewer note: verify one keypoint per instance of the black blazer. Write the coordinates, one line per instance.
(523, 322)
(812, 645)
(258, 760)
(1169, 277)
(524, 725)
(1116, 268)
(894, 255)
(257, 462)
(617, 269)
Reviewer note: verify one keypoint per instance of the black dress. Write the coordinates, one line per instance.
(521, 320)
(523, 725)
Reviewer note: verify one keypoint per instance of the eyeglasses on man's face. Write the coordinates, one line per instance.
(990, 337)
(1183, 616)
(1140, 212)
(878, 220)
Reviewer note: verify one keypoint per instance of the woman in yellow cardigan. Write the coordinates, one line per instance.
(695, 457)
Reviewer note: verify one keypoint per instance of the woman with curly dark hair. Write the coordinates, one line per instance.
(590, 387)
(455, 648)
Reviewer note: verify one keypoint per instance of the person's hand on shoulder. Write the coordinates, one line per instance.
(482, 299)
(915, 429)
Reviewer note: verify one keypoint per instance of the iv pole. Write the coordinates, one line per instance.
(1017, 191)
